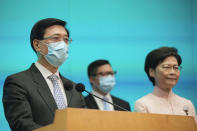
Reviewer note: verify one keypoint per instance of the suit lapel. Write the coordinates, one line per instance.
(92, 102)
(43, 88)
(114, 102)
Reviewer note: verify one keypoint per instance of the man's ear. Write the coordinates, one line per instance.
(152, 72)
(91, 78)
(36, 45)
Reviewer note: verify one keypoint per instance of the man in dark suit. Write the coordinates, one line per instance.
(31, 97)
(102, 80)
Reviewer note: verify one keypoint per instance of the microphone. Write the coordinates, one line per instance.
(80, 88)
(186, 110)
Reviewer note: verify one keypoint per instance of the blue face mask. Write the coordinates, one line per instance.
(106, 83)
(57, 53)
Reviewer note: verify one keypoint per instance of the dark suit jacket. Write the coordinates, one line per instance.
(91, 103)
(28, 102)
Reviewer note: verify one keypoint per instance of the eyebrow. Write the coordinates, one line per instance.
(58, 34)
(171, 64)
(55, 35)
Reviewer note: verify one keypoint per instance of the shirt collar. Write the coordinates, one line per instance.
(44, 71)
(99, 95)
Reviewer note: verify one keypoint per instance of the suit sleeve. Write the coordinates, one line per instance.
(16, 106)
(193, 111)
(140, 107)
(128, 107)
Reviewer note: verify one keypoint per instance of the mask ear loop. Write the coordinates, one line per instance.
(43, 44)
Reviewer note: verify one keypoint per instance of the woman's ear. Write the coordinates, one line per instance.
(152, 72)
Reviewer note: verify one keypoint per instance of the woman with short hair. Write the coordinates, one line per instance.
(162, 66)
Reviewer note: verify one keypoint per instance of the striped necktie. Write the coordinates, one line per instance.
(58, 95)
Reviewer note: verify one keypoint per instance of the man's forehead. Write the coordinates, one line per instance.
(55, 30)
(104, 68)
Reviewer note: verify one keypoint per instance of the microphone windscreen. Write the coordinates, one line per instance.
(185, 108)
(68, 86)
(80, 87)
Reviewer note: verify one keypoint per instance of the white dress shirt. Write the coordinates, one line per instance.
(46, 73)
(99, 102)
(161, 102)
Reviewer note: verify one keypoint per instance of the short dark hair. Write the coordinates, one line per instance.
(39, 28)
(92, 68)
(157, 56)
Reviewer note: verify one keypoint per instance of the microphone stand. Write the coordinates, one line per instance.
(108, 101)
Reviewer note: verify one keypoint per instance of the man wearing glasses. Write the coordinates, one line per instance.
(102, 80)
(31, 97)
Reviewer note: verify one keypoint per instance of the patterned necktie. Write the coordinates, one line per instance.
(58, 95)
(105, 104)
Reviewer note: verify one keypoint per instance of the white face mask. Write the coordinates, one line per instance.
(57, 53)
(106, 83)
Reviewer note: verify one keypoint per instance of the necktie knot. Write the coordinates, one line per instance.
(53, 77)
(105, 98)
